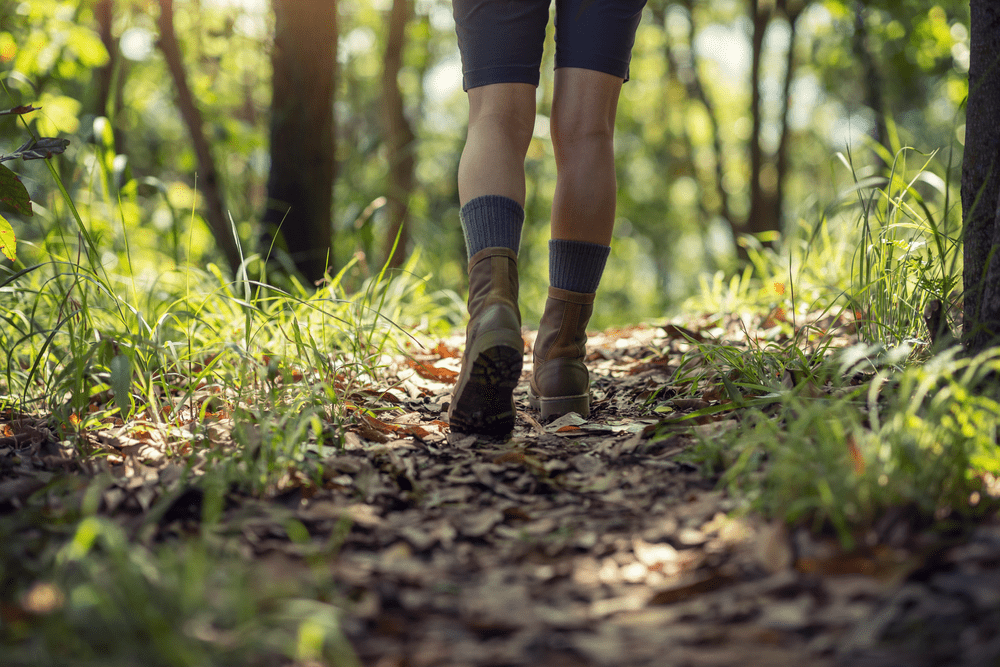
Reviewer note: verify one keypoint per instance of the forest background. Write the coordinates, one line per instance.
(170, 402)
(707, 169)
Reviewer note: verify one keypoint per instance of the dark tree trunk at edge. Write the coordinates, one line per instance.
(300, 184)
(981, 181)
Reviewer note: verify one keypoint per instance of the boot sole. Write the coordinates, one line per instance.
(557, 406)
(485, 403)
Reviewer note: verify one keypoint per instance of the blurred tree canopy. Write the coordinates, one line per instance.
(730, 124)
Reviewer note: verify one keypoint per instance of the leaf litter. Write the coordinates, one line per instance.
(580, 542)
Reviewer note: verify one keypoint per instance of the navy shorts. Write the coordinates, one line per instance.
(501, 40)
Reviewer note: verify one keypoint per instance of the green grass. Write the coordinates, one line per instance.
(909, 251)
(250, 386)
(195, 352)
(834, 437)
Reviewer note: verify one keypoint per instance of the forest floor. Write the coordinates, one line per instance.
(582, 542)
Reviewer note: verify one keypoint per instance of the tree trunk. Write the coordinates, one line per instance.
(981, 181)
(759, 218)
(300, 185)
(208, 175)
(111, 77)
(399, 136)
(793, 10)
(689, 76)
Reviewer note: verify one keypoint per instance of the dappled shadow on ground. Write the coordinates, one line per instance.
(580, 542)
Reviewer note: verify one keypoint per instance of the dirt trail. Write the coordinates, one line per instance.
(584, 542)
(592, 542)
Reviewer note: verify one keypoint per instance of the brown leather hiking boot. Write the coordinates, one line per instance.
(560, 382)
(483, 401)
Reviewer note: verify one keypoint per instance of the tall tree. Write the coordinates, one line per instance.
(768, 172)
(981, 181)
(761, 216)
(208, 175)
(399, 135)
(300, 184)
(110, 77)
(687, 73)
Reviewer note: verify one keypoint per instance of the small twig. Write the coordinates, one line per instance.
(17, 111)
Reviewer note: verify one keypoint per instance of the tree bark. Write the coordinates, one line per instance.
(688, 73)
(399, 136)
(110, 77)
(208, 176)
(300, 184)
(793, 10)
(981, 182)
(759, 218)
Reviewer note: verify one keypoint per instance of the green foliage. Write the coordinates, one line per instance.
(921, 437)
(867, 428)
(102, 599)
(669, 223)
(12, 190)
(909, 252)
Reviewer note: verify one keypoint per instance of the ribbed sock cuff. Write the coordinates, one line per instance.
(491, 221)
(576, 266)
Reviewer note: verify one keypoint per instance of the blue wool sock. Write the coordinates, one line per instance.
(491, 221)
(576, 265)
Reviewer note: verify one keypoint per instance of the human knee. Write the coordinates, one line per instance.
(511, 126)
(573, 140)
(581, 128)
(510, 113)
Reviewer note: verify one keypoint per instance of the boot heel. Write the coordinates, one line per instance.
(560, 382)
(561, 405)
(485, 403)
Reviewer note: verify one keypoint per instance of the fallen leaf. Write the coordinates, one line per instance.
(679, 593)
(569, 419)
(445, 351)
(429, 372)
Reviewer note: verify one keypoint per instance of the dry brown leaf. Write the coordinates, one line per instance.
(429, 372)
(446, 351)
(699, 587)
(514, 456)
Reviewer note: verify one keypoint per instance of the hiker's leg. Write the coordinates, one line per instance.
(501, 122)
(594, 41)
(501, 47)
(491, 191)
(584, 105)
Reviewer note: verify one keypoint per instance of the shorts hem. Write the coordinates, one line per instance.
(593, 62)
(490, 75)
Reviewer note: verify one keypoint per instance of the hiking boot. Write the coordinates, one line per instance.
(560, 382)
(483, 401)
